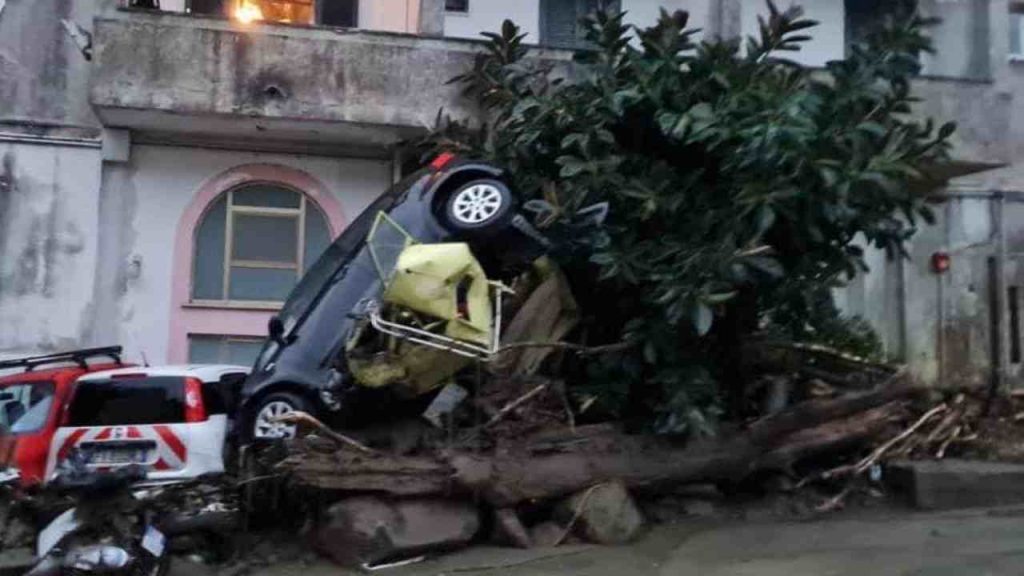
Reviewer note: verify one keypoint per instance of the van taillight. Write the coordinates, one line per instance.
(442, 160)
(195, 410)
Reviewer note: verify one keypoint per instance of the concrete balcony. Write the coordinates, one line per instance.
(166, 76)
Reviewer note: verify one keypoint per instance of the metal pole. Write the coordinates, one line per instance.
(1002, 366)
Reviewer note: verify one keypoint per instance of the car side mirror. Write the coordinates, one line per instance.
(275, 329)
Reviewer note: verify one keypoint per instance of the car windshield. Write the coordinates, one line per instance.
(337, 254)
(24, 408)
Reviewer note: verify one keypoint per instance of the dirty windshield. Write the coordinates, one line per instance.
(386, 242)
(25, 407)
(340, 251)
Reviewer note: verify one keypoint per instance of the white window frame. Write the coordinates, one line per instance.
(1015, 11)
(222, 339)
(229, 262)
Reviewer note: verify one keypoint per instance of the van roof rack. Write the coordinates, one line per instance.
(77, 356)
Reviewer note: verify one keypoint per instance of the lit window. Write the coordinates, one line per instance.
(295, 11)
(254, 243)
(240, 351)
(456, 5)
(1017, 30)
(341, 13)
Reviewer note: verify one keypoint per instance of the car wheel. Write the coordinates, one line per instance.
(479, 206)
(273, 406)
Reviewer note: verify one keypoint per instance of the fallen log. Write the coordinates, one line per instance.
(547, 466)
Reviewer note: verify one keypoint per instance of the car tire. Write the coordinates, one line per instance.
(261, 426)
(479, 207)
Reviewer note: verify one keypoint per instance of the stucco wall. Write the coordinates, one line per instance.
(940, 324)
(154, 189)
(48, 246)
(963, 37)
(43, 75)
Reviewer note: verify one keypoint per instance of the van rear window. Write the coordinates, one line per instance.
(156, 400)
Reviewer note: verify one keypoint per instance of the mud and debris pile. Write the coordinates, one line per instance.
(513, 461)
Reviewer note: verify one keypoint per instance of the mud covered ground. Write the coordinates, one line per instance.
(878, 540)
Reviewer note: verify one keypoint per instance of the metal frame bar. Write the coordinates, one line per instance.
(425, 338)
(77, 356)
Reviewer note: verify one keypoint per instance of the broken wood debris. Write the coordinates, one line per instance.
(543, 466)
(298, 417)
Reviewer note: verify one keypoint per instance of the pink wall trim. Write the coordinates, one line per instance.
(227, 321)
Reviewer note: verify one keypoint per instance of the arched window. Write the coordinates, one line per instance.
(254, 243)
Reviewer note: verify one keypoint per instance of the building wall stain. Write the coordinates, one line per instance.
(49, 236)
(43, 249)
(6, 190)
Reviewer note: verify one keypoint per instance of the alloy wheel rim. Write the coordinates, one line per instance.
(477, 204)
(267, 427)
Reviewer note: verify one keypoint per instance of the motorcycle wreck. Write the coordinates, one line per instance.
(120, 524)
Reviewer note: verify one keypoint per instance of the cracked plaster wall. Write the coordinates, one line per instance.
(48, 246)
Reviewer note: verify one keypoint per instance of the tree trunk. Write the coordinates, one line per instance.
(554, 465)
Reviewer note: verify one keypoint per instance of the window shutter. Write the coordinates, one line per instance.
(560, 20)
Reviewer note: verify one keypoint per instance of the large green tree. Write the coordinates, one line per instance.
(742, 186)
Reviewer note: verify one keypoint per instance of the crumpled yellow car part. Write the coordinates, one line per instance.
(444, 281)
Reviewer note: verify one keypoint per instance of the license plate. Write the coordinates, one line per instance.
(154, 541)
(120, 456)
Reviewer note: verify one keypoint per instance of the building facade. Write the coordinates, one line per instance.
(169, 168)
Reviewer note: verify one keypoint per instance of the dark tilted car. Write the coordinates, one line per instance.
(303, 365)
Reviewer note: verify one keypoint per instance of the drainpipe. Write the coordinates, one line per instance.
(940, 337)
(904, 326)
(1002, 365)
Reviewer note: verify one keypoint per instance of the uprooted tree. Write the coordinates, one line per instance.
(743, 188)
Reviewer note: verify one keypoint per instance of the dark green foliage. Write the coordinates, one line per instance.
(741, 186)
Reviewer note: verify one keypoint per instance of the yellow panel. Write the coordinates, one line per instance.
(426, 280)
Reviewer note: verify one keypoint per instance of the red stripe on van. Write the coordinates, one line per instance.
(172, 441)
(69, 443)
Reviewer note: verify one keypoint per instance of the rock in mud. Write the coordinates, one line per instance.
(368, 530)
(604, 514)
(16, 561)
(546, 535)
(509, 530)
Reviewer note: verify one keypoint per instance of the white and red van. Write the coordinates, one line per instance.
(173, 420)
